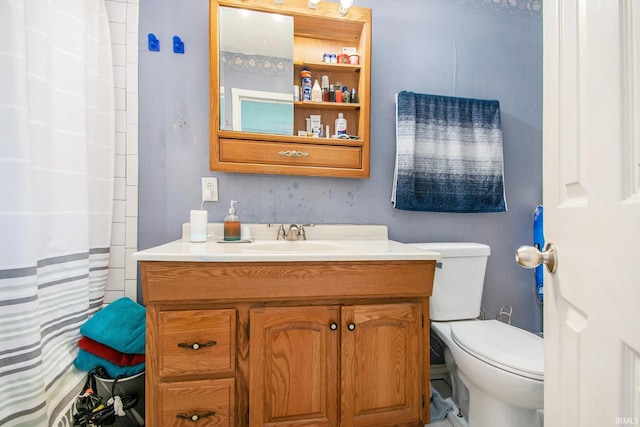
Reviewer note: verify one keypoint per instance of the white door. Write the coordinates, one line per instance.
(592, 212)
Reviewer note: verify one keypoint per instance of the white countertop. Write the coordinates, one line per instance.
(354, 244)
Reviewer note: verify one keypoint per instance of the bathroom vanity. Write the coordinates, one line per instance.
(324, 332)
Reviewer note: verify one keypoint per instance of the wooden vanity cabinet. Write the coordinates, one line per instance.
(287, 344)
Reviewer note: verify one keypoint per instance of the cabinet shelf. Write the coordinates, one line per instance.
(310, 105)
(255, 137)
(326, 66)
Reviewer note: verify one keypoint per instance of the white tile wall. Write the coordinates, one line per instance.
(123, 23)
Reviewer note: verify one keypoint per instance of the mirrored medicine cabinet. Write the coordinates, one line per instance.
(258, 50)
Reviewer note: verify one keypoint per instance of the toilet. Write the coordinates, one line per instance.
(497, 370)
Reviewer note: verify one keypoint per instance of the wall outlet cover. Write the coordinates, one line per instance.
(209, 189)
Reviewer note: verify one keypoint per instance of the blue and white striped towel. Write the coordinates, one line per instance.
(448, 155)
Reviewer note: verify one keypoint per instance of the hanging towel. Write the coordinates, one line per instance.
(448, 154)
(120, 325)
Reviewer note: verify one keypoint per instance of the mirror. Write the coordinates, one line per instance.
(256, 71)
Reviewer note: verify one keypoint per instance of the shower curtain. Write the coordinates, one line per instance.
(56, 192)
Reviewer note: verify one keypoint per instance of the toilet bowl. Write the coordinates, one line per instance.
(497, 369)
(501, 368)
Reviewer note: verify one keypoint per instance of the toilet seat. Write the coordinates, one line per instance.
(503, 346)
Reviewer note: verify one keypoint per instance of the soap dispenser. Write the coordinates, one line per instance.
(232, 224)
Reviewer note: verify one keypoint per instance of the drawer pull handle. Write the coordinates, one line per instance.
(294, 153)
(351, 326)
(195, 417)
(196, 345)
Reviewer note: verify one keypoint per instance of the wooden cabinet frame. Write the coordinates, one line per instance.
(187, 286)
(315, 33)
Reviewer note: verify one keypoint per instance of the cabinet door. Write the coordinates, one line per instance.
(294, 366)
(381, 365)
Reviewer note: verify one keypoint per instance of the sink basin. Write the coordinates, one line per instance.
(296, 246)
(327, 243)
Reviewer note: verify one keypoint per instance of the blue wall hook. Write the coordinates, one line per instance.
(178, 45)
(154, 43)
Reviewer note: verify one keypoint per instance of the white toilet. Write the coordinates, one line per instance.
(497, 370)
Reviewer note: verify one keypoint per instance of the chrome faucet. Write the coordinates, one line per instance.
(295, 232)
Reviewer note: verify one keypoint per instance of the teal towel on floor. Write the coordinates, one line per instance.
(120, 325)
(86, 361)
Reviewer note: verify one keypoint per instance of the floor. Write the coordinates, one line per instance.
(440, 382)
(444, 423)
(443, 386)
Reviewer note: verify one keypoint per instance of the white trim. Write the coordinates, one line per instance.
(238, 95)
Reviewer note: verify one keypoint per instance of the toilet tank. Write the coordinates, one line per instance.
(458, 281)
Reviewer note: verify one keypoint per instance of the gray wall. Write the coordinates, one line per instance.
(440, 47)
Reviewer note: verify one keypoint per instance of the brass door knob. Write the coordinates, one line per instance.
(530, 257)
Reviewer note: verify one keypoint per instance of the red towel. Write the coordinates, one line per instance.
(110, 354)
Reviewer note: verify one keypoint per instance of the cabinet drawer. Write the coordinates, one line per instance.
(197, 342)
(201, 403)
(269, 153)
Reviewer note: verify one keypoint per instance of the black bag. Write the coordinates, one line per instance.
(91, 411)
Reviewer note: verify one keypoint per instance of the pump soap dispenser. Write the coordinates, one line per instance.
(232, 224)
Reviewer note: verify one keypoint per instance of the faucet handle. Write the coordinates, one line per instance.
(281, 233)
(302, 232)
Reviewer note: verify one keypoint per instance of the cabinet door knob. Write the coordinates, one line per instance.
(351, 326)
(196, 345)
(195, 417)
(333, 326)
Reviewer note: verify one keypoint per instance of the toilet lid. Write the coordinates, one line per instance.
(503, 346)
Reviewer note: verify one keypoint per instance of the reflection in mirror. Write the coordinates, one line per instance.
(256, 71)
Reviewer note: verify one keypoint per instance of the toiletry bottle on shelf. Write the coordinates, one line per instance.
(305, 82)
(316, 92)
(232, 224)
(354, 96)
(325, 89)
(345, 94)
(341, 125)
(338, 90)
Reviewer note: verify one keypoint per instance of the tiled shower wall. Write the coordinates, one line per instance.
(123, 22)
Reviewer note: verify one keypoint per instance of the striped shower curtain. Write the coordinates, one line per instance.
(56, 191)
